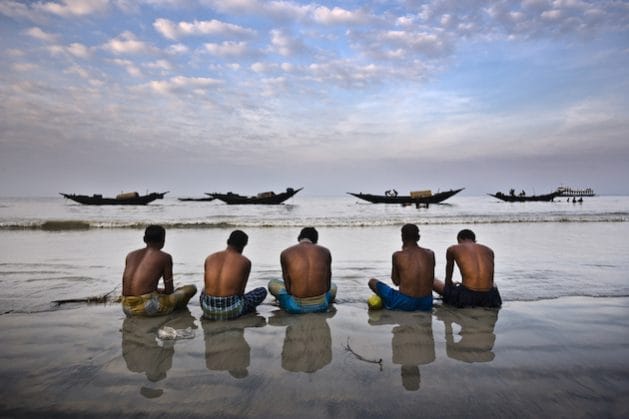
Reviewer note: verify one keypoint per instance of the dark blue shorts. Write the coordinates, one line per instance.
(459, 296)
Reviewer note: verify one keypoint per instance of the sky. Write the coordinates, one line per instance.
(195, 96)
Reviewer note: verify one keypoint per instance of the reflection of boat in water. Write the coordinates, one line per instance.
(415, 198)
(522, 197)
(128, 198)
(574, 192)
(263, 198)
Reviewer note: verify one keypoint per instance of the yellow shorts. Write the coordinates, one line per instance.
(157, 304)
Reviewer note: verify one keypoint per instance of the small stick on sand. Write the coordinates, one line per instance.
(361, 358)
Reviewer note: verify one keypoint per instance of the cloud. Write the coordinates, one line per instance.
(283, 44)
(80, 71)
(69, 8)
(79, 50)
(172, 30)
(23, 67)
(177, 49)
(39, 34)
(227, 48)
(337, 16)
(160, 65)
(127, 43)
(276, 10)
(16, 10)
(181, 83)
(129, 66)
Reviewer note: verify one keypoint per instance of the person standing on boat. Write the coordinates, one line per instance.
(142, 272)
(226, 276)
(307, 272)
(476, 265)
(413, 272)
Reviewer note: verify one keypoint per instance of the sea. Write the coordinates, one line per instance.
(53, 249)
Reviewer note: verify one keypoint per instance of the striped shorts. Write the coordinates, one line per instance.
(231, 307)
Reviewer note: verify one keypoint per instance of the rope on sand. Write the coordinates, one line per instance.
(104, 298)
(362, 358)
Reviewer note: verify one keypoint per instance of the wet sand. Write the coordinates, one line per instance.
(567, 357)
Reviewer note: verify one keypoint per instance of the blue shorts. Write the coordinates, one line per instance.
(295, 305)
(395, 300)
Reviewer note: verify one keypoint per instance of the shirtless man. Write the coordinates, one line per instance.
(142, 272)
(307, 273)
(476, 265)
(226, 276)
(413, 272)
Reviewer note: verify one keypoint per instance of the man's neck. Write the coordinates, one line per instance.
(304, 240)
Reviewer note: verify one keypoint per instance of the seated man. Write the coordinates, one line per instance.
(143, 269)
(413, 272)
(476, 264)
(307, 273)
(226, 276)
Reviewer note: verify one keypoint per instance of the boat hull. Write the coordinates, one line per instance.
(235, 199)
(99, 200)
(532, 198)
(406, 199)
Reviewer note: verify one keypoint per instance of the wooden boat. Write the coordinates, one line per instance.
(263, 198)
(425, 199)
(511, 197)
(129, 198)
(203, 199)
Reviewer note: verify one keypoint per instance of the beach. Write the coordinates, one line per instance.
(558, 358)
(557, 348)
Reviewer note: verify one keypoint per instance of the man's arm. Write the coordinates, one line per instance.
(395, 275)
(329, 282)
(246, 276)
(168, 276)
(449, 266)
(285, 276)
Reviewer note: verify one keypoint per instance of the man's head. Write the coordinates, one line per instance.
(238, 239)
(410, 233)
(466, 235)
(155, 235)
(309, 233)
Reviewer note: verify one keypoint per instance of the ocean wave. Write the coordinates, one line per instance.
(80, 225)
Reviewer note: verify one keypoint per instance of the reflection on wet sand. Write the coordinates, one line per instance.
(308, 341)
(477, 333)
(412, 344)
(144, 353)
(226, 348)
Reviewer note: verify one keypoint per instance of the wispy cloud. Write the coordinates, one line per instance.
(69, 8)
(128, 43)
(172, 30)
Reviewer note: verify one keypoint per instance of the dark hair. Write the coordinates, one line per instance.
(238, 239)
(154, 234)
(309, 233)
(410, 232)
(466, 235)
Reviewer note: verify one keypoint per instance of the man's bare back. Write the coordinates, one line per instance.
(414, 270)
(306, 268)
(226, 273)
(144, 268)
(475, 262)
